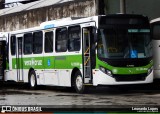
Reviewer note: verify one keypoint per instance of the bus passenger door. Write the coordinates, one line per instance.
(88, 54)
(19, 60)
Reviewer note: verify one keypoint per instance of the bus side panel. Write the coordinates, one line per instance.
(156, 58)
(61, 65)
(10, 75)
(50, 74)
(25, 73)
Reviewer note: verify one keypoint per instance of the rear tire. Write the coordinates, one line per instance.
(78, 83)
(32, 80)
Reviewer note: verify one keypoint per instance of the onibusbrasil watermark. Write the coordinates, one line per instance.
(21, 109)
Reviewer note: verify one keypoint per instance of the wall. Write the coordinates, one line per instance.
(32, 18)
(81, 8)
(150, 8)
(112, 6)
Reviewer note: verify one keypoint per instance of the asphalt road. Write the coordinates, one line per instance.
(112, 97)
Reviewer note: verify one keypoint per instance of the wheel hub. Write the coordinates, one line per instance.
(79, 82)
(32, 80)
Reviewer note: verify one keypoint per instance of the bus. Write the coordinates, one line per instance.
(82, 52)
(155, 26)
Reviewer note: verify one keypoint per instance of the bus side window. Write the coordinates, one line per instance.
(61, 40)
(13, 45)
(49, 42)
(74, 38)
(28, 43)
(37, 42)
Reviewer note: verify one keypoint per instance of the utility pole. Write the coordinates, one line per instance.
(123, 6)
(100, 6)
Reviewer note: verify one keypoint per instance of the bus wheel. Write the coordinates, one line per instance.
(78, 82)
(32, 80)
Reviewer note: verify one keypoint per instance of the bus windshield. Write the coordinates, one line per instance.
(118, 43)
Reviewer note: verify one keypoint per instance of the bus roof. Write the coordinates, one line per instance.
(66, 21)
(70, 21)
(56, 23)
(76, 20)
(25, 30)
(155, 20)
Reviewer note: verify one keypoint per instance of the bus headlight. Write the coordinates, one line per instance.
(150, 70)
(106, 71)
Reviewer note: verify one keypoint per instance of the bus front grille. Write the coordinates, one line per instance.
(134, 77)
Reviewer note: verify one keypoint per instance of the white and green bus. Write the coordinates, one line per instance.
(155, 26)
(80, 52)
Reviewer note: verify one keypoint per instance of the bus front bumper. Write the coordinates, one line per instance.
(100, 78)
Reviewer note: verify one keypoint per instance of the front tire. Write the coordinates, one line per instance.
(32, 80)
(78, 83)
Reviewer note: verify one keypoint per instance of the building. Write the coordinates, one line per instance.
(34, 13)
(149, 8)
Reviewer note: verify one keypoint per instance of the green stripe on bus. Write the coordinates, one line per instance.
(72, 61)
(50, 62)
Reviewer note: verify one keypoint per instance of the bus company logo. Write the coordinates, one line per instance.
(20, 109)
(49, 62)
(33, 62)
(75, 64)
